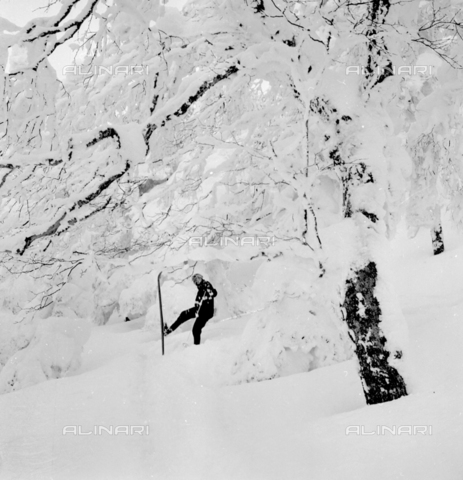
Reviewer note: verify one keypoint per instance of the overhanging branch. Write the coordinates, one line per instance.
(52, 229)
(207, 85)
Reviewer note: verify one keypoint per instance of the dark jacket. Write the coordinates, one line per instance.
(205, 299)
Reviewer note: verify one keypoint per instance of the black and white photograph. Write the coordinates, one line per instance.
(231, 240)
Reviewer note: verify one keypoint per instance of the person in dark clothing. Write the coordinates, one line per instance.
(203, 310)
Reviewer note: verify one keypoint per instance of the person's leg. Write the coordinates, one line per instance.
(197, 328)
(183, 317)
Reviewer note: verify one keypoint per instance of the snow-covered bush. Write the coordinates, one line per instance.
(15, 291)
(289, 338)
(233, 281)
(135, 300)
(54, 351)
(97, 286)
(73, 300)
(296, 332)
(15, 333)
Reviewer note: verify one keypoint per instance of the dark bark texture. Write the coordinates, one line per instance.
(381, 382)
(437, 239)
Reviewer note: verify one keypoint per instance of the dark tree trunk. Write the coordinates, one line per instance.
(437, 239)
(381, 382)
(437, 234)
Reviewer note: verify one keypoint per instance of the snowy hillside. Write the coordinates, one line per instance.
(196, 424)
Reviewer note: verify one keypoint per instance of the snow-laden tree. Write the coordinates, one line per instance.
(431, 103)
(355, 138)
(425, 201)
(236, 80)
(367, 155)
(434, 144)
(222, 120)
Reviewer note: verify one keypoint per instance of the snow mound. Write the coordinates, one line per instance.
(296, 331)
(287, 339)
(54, 351)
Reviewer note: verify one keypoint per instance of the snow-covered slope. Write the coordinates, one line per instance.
(198, 425)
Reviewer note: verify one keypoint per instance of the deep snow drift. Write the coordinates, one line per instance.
(196, 422)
